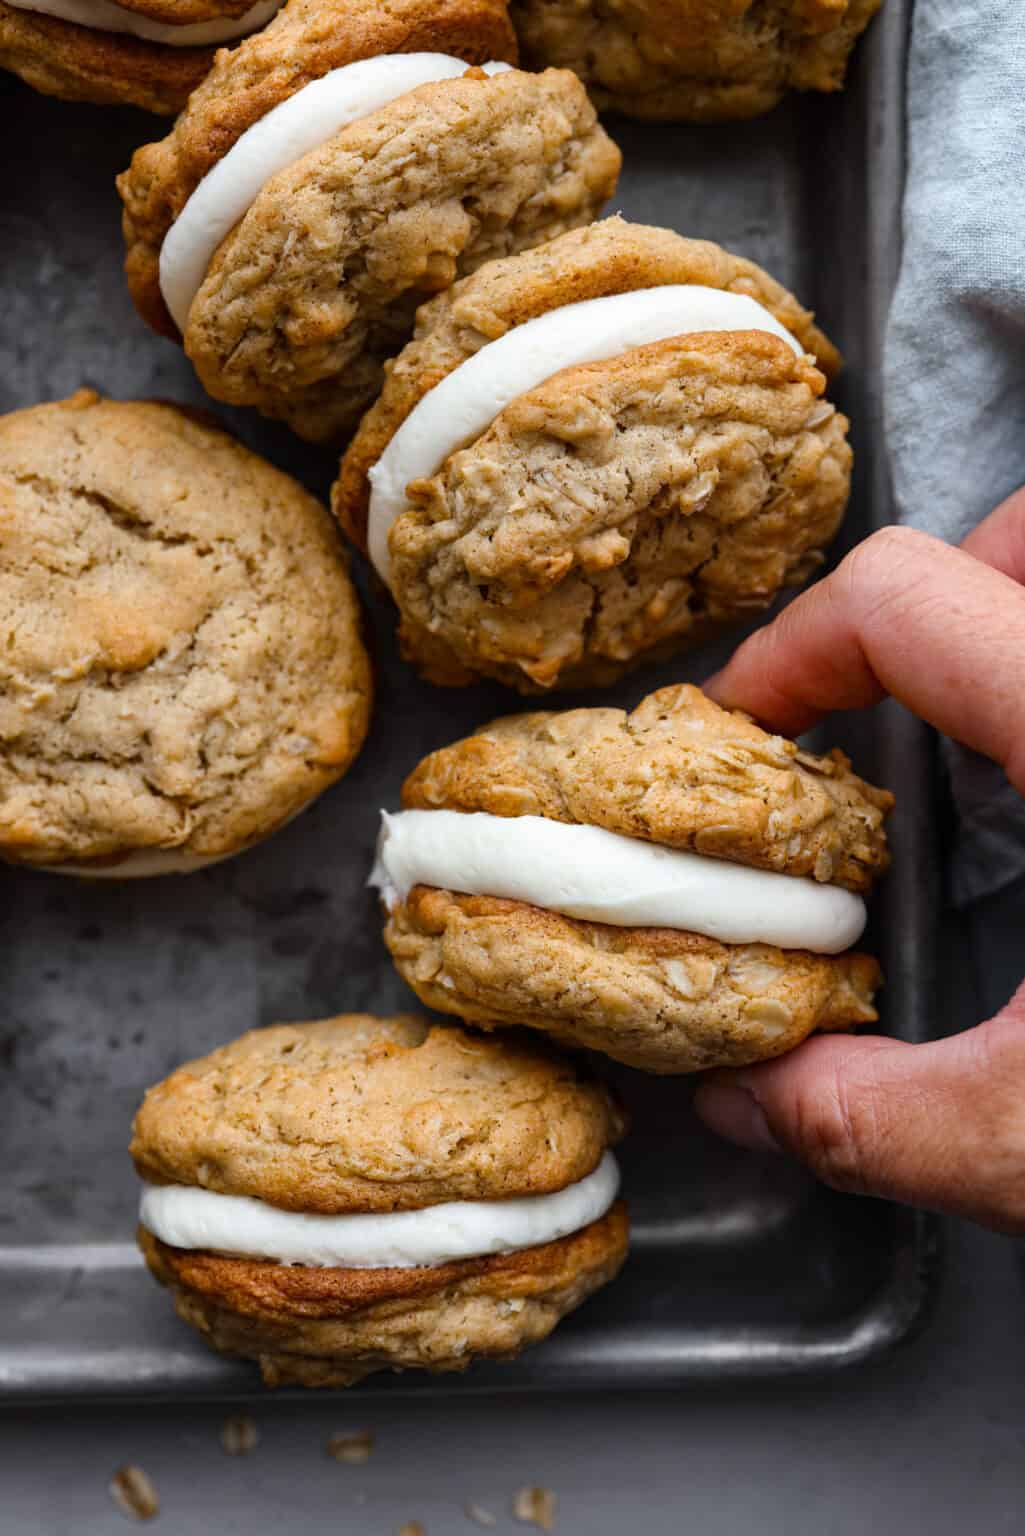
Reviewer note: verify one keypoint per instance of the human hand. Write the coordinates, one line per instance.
(943, 631)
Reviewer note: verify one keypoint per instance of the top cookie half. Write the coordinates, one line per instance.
(678, 771)
(185, 668)
(359, 1113)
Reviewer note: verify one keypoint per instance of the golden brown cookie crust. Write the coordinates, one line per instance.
(307, 39)
(679, 771)
(655, 998)
(694, 60)
(399, 204)
(359, 1113)
(332, 1327)
(620, 509)
(604, 258)
(186, 669)
(76, 63)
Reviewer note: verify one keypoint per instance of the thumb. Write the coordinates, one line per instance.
(940, 1125)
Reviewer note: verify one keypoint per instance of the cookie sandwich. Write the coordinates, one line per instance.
(363, 1194)
(184, 668)
(304, 205)
(694, 60)
(674, 887)
(595, 452)
(139, 53)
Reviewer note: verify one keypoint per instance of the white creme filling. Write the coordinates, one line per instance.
(291, 130)
(104, 16)
(463, 405)
(186, 1217)
(604, 877)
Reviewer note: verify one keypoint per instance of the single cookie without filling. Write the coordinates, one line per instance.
(697, 60)
(362, 1193)
(324, 181)
(184, 668)
(674, 887)
(596, 452)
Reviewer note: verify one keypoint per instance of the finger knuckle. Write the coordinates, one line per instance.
(871, 565)
(837, 1135)
(891, 578)
(996, 1061)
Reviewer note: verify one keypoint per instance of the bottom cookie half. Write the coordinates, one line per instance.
(655, 998)
(331, 1327)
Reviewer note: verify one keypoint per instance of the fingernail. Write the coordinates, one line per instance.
(734, 1113)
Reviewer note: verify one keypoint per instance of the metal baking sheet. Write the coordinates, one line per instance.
(740, 1266)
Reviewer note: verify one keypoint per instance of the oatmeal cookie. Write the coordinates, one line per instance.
(77, 63)
(678, 771)
(694, 60)
(674, 887)
(654, 998)
(307, 40)
(333, 1327)
(622, 507)
(315, 282)
(373, 1114)
(344, 1136)
(185, 669)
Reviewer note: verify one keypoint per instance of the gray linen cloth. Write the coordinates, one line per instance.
(955, 350)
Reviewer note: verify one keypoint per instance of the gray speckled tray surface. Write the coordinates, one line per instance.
(740, 1265)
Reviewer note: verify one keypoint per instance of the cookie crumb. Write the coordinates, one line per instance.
(239, 1435)
(134, 1494)
(353, 1449)
(479, 1515)
(535, 1506)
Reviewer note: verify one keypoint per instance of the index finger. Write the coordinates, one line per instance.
(999, 540)
(906, 615)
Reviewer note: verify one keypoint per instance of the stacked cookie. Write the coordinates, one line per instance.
(673, 887)
(337, 1198)
(574, 446)
(593, 453)
(325, 179)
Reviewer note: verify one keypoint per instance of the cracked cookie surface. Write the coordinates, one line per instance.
(360, 1113)
(184, 669)
(694, 60)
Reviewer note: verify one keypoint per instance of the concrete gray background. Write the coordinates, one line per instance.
(932, 1439)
